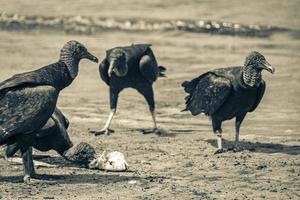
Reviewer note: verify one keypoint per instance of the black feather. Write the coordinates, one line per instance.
(162, 71)
(52, 136)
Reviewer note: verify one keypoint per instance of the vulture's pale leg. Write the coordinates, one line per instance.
(113, 95)
(219, 141)
(153, 114)
(218, 132)
(28, 164)
(238, 122)
(105, 130)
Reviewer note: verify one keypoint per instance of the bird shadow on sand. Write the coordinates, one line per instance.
(160, 132)
(168, 133)
(260, 147)
(78, 174)
(52, 161)
(95, 178)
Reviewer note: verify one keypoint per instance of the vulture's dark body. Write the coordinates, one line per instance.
(134, 67)
(134, 77)
(52, 136)
(138, 77)
(222, 94)
(28, 100)
(240, 101)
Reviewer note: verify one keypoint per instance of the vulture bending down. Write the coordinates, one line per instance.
(28, 100)
(52, 136)
(132, 66)
(226, 93)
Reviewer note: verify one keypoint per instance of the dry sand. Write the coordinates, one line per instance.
(180, 164)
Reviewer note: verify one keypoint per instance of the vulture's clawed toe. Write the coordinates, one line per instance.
(36, 181)
(237, 149)
(219, 151)
(233, 149)
(156, 131)
(101, 132)
(32, 179)
(159, 131)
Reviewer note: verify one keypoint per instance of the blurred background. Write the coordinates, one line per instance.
(188, 37)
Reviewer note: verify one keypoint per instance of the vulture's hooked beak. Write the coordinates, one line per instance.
(91, 57)
(111, 68)
(267, 66)
(120, 69)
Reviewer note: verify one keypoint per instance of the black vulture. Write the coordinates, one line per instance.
(28, 100)
(134, 67)
(52, 136)
(225, 93)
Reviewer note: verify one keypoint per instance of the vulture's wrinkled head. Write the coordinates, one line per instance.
(72, 52)
(258, 61)
(77, 51)
(117, 63)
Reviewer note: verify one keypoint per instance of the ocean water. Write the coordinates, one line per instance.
(282, 13)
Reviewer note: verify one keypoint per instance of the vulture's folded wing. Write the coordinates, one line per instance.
(207, 93)
(61, 117)
(24, 110)
(148, 67)
(55, 74)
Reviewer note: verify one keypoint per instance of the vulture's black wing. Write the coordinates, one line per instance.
(132, 52)
(62, 118)
(51, 125)
(260, 93)
(17, 81)
(207, 93)
(55, 74)
(148, 67)
(24, 110)
(103, 71)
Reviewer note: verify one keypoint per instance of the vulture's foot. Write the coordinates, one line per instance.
(235, 149)
(219, 151)
(156, 131)
(31, 179)
(102, 132)
(159, 131)
(27, 179)
(36, 179)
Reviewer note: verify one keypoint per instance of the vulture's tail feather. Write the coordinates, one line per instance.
(161, 71)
